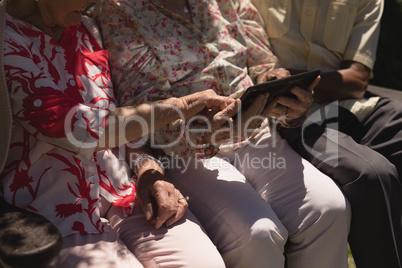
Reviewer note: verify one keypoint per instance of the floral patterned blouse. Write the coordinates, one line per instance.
(61, 94)
(156, 54)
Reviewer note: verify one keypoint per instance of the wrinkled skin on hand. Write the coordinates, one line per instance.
(289, 107)
(226, 131)
(160, 200)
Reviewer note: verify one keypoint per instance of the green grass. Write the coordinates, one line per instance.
(351, 262)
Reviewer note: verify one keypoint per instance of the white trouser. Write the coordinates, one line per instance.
(135, 243)
(300, 207)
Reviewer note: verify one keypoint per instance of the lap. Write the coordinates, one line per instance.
(231, 192)
(293, 187)
(381, 131)
(221, 199)
(361, 158)
(340, 155)
(101, 250)
(134, 242)
(183, 244)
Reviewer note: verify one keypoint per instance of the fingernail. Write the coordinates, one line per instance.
(148, 215)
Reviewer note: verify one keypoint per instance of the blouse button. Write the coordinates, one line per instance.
(37, 103)
(58, 49)
(72, 83)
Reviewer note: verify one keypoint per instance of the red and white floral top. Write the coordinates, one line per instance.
(61, 95)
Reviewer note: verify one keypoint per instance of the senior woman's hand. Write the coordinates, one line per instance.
(289, 109)
(226, 131)
(161, 202)
(273, 74)
(156, 115)
(194, 103)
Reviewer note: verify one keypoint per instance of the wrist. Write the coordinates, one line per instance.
(146, 162)
(294, 123)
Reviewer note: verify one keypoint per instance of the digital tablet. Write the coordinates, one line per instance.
(278, 87)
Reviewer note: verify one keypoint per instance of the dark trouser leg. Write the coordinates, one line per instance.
(382, 131)
(369, 181)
